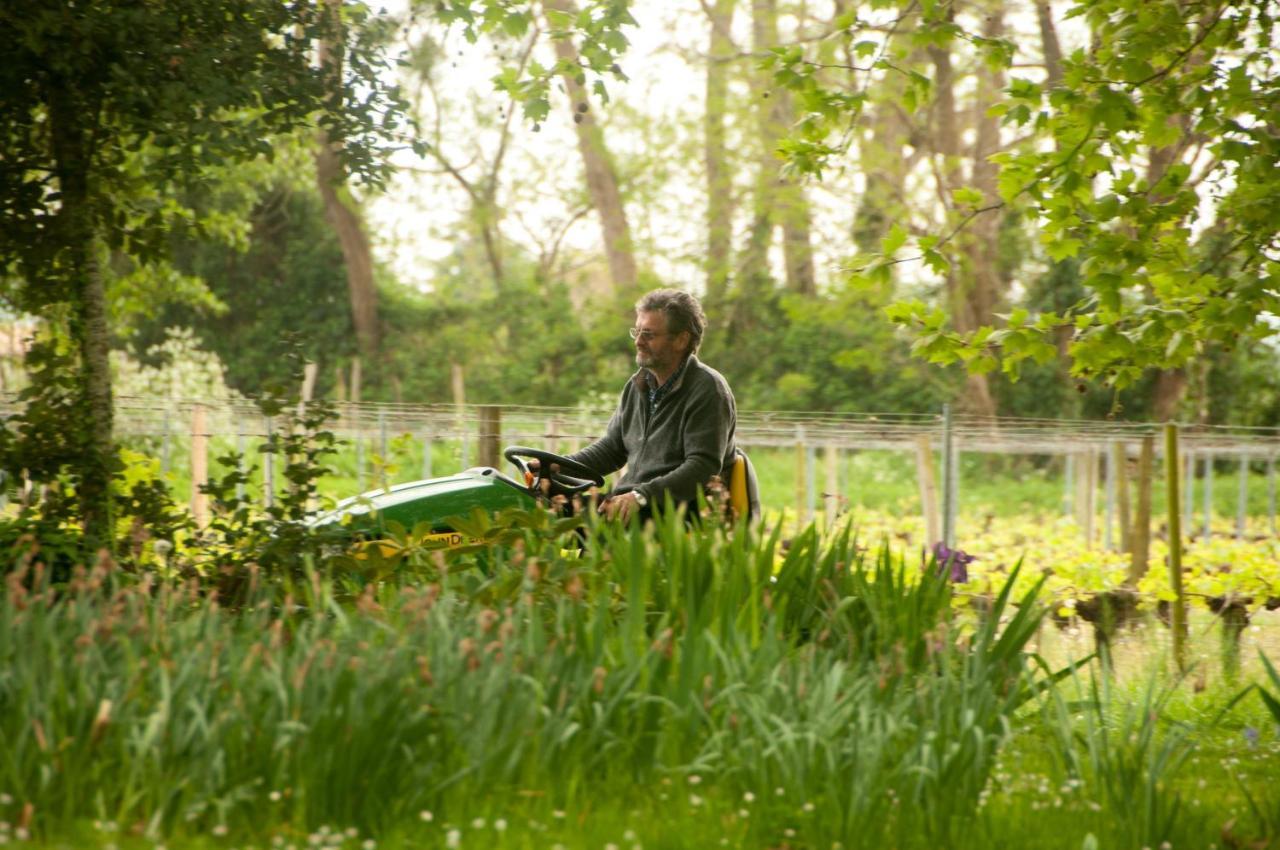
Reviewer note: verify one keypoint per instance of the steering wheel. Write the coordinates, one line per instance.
(571, 479)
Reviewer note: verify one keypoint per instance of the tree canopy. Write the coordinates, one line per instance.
(112, 113)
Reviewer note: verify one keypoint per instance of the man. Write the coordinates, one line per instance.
(675, 421)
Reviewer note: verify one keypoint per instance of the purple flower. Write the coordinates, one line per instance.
(952, 562)
(1251, 736)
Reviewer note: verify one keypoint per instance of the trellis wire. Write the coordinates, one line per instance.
(542, 425)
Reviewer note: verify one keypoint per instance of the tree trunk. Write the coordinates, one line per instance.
(965, 308)
(1171, 386)
(983, 239)
(785, 195)
(341, 209)
(94, 436)
(1049, 44)
(602, 176)
(485, 213)
(719, 183)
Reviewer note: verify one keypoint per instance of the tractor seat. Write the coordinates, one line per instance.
(744, 490)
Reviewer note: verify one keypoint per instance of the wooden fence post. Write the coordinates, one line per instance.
(1068, 483)
(1175, 546)
(199, 465)
(1121, 461)
(1086, 494)
(457, 380)
(811, 481)
(1141, 535)
(831, 494)
(928, 491)
(490, 435)
(950, 482)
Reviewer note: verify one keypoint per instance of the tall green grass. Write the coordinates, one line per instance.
(804, 696)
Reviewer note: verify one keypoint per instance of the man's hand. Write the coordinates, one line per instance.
(620, 507)
(534, 465)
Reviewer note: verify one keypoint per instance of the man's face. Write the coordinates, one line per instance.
(656, 348)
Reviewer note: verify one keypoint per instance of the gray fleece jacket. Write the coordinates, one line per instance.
(677, 449)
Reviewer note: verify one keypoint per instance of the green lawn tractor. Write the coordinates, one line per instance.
(437, 501)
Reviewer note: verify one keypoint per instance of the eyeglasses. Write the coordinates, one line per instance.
(636, 333)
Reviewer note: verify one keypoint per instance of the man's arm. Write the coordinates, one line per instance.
(607, 454)
(706, 439)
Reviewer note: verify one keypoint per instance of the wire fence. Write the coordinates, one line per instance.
(140, 416)
(1096, 456)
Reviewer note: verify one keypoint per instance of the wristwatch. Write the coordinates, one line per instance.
(640, 498)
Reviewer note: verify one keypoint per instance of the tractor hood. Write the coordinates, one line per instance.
(434, 501)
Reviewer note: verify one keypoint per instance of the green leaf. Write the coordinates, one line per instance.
(936, 261)
(895, 239)
(966, 197)
(1061, 249)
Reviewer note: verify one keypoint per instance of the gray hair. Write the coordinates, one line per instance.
(682, 310)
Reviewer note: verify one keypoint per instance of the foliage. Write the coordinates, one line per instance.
(528, 344)
(653, 654)
(114, 112)
(826, 352)
(280, 537)
(286, 284)
(1129, 759)
(596, 28)
(1272, 699)
(174, 368)
(1159, 180)
(807, 696)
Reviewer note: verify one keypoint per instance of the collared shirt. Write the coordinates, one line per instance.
(657, 393)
